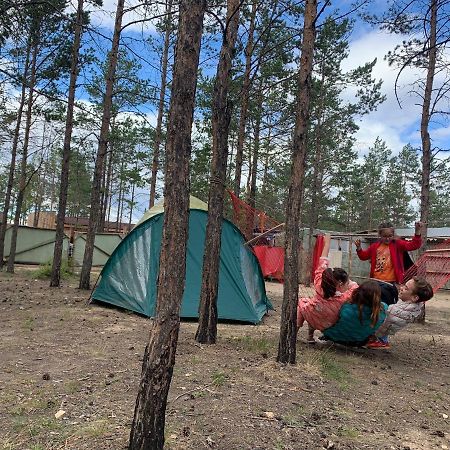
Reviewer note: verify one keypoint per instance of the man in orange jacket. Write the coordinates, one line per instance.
(386, 255)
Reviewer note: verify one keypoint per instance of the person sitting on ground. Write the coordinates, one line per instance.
(359, 318)
(386, 255)
(409, 308)
(333, 288)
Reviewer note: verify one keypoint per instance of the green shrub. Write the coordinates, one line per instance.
(219, 378)
(45, 270)
(332, 369)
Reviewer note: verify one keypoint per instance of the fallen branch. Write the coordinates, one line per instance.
(197, 389)
(270, 419)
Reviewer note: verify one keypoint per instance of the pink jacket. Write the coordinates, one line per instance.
(319, 312)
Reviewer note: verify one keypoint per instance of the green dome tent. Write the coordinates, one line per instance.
(129, 278)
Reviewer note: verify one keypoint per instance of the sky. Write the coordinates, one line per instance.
(396, 124)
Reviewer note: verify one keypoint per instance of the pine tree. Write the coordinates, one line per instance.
(60, 220)
(221, 116)
(374, 169)
(95, 208)
(425, 27)
(47, 34)
(333, 120)
(288, 327)
(168, 30)
(14, 148)
(149, 416)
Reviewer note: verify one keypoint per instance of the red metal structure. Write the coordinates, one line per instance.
(433, 265)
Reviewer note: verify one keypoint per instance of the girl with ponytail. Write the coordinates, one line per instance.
(360, 317)
(333, 288)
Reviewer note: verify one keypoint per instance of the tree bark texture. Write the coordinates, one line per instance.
(64, 186)
(23, 164)
(221, 116)
(101, 152)
(133, 189)
(120, 197)
(147, 431)
(103, 192)
(245, 94)
(15, 143)
(424, 124)
(256, 145)
(108, 194)
(316, 191)
(162, 96)
(317, 165)
(107, 180)
(288, 326)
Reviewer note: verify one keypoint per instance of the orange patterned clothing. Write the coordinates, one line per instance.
(397, 248)
(319, 312)
(384, 269)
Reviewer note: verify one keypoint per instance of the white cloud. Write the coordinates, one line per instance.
(395, 124)
(442, 133)
(371, 129)
(105, 17)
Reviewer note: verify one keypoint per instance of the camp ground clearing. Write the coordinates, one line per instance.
(61, 356)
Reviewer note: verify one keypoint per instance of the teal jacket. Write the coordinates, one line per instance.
(349, 329)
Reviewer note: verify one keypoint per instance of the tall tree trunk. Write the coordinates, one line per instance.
(106, 179)
(267, 144)
(39, 187)
(230, 156)
(288, 326)
(107, 191)
(266, 164)
(316, 190)
(133, 188)
(23, 164)
(245, 94)
(103, 196)
(41, 180)
(256, 145)
(36, 213)
(221, 116)
(317, 171)
(424, 124)
(249, 176)
(85, 275)
(159, 359)
(162, 95)
(109, 212)
(64, 186)
(52, 191)
(122, 206)
(15, 143)
(119, 197)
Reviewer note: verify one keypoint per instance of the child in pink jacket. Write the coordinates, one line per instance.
(333, 288)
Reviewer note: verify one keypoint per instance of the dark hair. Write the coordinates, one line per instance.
(422, 289)
(368, 294)
(330, 280)
(385, 225)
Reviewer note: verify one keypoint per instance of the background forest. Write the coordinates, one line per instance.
(349, 185)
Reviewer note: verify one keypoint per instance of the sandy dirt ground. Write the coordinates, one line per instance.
(59, 354)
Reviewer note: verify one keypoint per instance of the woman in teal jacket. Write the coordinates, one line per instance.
(360, 317)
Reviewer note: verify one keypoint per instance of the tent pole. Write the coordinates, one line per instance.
(350, 246)
(265, 232)
(89, 300)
